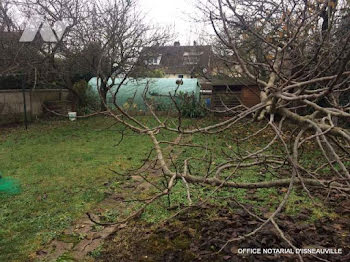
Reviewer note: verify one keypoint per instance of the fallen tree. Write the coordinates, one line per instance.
(303, 72)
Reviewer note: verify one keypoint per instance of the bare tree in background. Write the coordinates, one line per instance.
(103, 38)
(14, 56)
(41, 62)
(6, 19)
(55, 56)
(118, 30)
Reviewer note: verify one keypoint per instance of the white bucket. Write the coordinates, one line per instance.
(72, 116)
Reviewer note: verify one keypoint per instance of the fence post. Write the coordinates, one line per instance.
(24, 103)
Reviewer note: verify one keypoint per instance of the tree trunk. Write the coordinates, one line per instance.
(103, 94)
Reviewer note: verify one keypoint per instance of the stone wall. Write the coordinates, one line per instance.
(12, 103)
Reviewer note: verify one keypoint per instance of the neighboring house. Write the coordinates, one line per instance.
(222, 86)
(179, 61)
(16, 56)
(9, 49)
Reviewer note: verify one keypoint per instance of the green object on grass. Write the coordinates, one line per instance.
(9, 186)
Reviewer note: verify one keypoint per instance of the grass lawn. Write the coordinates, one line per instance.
(61, 167)
(268, 198)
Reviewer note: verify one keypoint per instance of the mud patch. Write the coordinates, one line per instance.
(200, 233)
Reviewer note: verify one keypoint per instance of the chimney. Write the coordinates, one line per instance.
(194, 43)
(177, 43)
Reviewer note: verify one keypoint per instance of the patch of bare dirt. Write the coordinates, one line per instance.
(198, 235)
(78, 241)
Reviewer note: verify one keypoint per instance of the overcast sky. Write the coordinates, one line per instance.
(175, 13)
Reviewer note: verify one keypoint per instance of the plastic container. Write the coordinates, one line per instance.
(72, 116)
(132, 92)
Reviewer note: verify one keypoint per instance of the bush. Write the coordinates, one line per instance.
(11, 82)
(190, 107)
(88, 102)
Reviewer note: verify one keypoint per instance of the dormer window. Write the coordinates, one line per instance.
(191, 58)
(154, 60)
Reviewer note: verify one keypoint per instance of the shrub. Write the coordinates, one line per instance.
(190, 107)
(88, 101)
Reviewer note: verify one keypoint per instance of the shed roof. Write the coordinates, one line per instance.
(238, 81)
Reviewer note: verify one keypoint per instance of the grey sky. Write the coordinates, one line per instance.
(175, 13)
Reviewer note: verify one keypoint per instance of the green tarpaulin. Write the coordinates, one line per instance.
(8, 186)
(158, 92)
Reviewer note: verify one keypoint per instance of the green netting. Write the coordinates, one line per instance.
(157, 91)
(9, 186)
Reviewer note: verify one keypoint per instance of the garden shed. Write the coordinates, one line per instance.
(157, 91)
(230, 93)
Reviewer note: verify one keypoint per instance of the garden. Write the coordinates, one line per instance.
(128, 138)
(66, 169)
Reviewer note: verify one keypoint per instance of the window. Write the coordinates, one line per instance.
(154, 60)
(191, 60)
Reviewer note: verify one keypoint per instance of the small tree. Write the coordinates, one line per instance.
(117, 28)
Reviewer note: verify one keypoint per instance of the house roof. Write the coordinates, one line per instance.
(173, 58)
(12, 40)
(15, 55)
(13, 37)
(4, 35)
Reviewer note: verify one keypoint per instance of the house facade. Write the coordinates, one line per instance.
(178, 61)
(198, 61)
